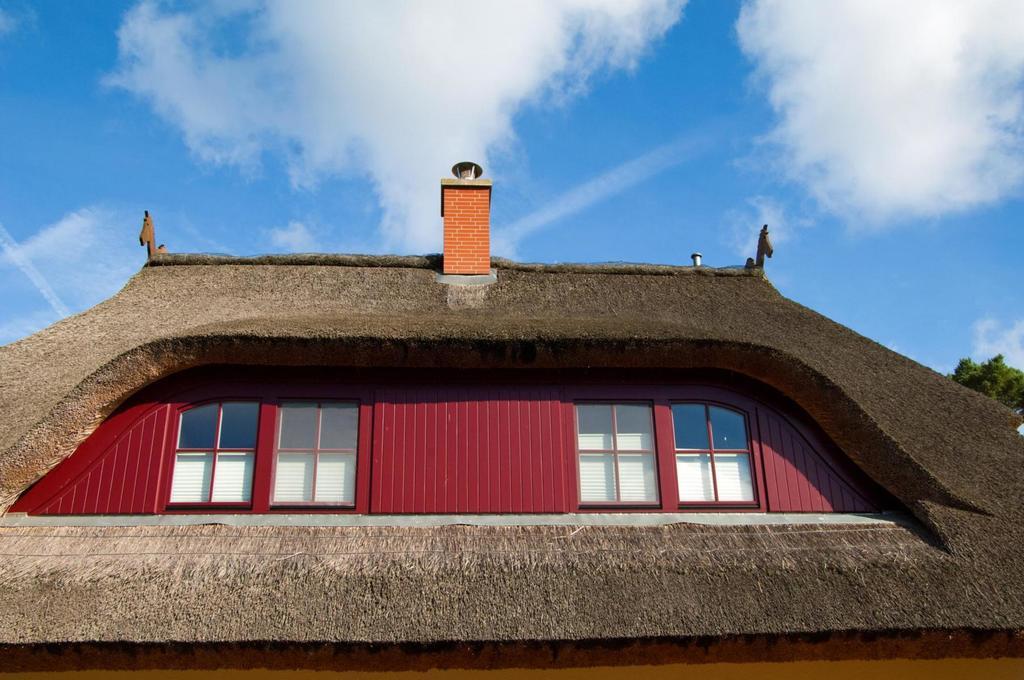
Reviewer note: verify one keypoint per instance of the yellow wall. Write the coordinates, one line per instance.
(959, 669)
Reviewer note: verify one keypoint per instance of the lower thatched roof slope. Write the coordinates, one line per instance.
(400, 584)
(948, 454)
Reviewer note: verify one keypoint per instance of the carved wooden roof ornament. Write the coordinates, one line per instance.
(147, 237)
(764, 247)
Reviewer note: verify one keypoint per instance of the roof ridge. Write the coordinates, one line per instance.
(433, 262)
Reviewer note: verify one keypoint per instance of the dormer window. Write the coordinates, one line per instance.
(616, 454)
(213, 461)
(712, 454)
(315, 462)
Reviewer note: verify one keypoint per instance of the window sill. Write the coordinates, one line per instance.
(721, 505)
(174, 507)
(299, 507)
(652, 505)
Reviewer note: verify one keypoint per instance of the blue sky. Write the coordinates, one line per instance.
(882, 142)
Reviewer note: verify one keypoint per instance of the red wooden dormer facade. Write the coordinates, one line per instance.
(292, 441)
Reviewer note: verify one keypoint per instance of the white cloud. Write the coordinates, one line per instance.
(7, 22)
(14, 254)
(74, 263)
(87, 255)
(743, 225)
(24, 325)
(293, 238)
(992, 337)
(595, 190)
(890, 110)
(394, 91)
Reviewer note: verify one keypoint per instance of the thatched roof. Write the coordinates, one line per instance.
(227, 586)
(949, 455)
(392, 584)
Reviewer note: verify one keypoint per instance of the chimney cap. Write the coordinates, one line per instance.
(467, 170)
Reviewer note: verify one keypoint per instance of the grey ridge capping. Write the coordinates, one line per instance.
(951, 458)
(570, 520)
(433, 262)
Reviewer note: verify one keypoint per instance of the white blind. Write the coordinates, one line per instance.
(636, 477)
(594, 423)
(293, 477)
(633, 441)
(336, 478)
(232, 482)
(633, 427)
(694, 474)
(191, 481)
(597, 477)
(733, 475)
(595, 441)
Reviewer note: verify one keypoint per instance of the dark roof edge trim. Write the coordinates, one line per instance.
(433, 262)
(482, 654)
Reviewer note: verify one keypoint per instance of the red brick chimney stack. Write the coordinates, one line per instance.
(466, 209)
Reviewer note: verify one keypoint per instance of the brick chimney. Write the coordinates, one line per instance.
(466, 209)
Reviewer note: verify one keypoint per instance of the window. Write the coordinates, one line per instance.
(616, 453)
(315, 462)
(213, 460)
(712, 454)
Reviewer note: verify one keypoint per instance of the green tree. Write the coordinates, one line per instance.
(993, 378)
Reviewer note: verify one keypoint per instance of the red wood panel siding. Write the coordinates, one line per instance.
(805, 477)
(440, 448)
(116, 471)
(470, 450)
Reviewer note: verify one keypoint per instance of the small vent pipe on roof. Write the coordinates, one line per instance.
(696, 259)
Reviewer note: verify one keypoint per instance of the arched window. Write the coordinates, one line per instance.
(214, 455)
(712, 454)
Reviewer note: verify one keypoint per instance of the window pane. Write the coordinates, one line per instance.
(728, 428)
(595, 426)
(293, 478)
(198, 428)
(338, 426)
(636, 477)
(694, 473)
(233, 480)
(733, 476)
(238, 425)
(597, 477)
(336, 478)
(298, 426)
(633, 427)
(191, 482)
(691, 428)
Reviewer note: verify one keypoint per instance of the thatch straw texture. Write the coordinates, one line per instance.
(948, 454)
(219, 583)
